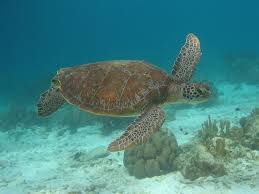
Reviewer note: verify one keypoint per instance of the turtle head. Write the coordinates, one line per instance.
(55, 83)
(191, 93)
(195, 92)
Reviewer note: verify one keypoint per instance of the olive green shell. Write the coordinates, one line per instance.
(113, 87)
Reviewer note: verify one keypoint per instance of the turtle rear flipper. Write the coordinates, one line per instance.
(187, 60)
(140, 130)
(49, 102)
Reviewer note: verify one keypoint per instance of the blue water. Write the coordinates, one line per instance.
(39, 37)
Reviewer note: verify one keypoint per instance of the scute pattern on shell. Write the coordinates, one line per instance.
(113, 87)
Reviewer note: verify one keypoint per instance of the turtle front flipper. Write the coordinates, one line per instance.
(140, 130)
(187, 60)
(49, 102)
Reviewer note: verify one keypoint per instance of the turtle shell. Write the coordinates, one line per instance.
(113, 87)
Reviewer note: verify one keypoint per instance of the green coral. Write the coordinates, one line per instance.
(196, 161)
(212, 128)
(209, 129)
(254, 112)
(250, 136)
(226, 149)
(139, 168)
(225, 142)
(153, 158)
(220, 146)
(218, 142)
(224, 126)
(152, 167)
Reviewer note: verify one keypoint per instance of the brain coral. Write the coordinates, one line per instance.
(153, 158)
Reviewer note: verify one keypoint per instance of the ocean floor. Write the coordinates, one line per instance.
(38, 160)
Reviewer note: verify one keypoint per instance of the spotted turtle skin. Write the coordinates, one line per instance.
(119, 88)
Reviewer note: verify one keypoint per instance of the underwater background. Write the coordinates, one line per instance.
(39, 37)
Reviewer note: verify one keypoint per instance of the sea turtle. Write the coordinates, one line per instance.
(128, 88)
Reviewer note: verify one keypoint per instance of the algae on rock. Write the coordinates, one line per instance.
(226, 149)
(195, 161)
(217, 143)
(250, 137)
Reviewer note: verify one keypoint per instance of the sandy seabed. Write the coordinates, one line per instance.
(40, 161)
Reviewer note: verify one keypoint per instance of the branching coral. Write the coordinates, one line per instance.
(210, 129)
(224, 126)
(217, 143)
(222, 139)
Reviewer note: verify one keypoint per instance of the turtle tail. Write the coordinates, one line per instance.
(49, 102)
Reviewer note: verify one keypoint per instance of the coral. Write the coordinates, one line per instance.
(242, 121)
(246, 135)
(195, 161)
(211, 129)
(153, 158)
(227, 149)
(227, 142)
(254, 112)
(220, 146)
(250, 136)
(236, 133)
(224, 126)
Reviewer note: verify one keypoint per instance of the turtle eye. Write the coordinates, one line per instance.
(55, 82)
